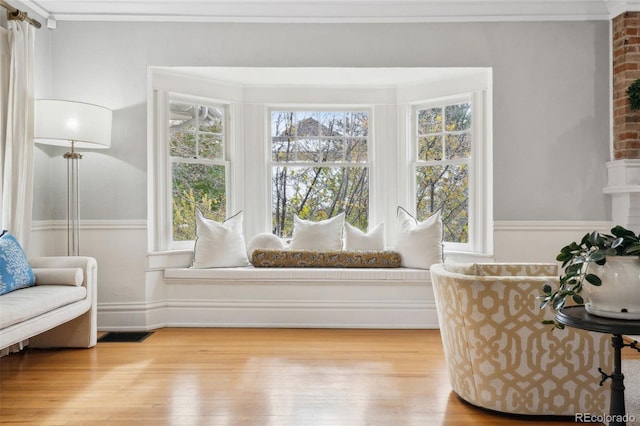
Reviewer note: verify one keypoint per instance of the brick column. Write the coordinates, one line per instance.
(623, 183)
(626, 69)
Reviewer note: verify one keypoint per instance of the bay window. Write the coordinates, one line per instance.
(275, 150)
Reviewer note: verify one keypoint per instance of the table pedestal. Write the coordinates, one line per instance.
(617, 409)
(578, 317)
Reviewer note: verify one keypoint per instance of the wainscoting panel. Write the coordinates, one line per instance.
(531, 241)
(133, 294)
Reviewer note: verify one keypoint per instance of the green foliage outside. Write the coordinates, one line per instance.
(196, 142)
(444, 145)
(196, 185)
(319, 193)
(321, 167)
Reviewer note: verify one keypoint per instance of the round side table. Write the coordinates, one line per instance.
(578, 317)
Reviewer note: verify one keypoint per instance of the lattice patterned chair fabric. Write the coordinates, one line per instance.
(499, 355)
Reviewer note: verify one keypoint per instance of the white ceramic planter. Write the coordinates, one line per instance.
(619, 294)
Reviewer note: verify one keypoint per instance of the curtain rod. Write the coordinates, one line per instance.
(15, 14)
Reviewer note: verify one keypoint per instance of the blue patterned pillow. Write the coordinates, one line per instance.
(15, 271)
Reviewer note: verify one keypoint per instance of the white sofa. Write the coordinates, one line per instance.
(51, 315)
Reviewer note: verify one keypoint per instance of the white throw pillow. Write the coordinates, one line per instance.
(264, 241)
(59, 276)
(320, 235)
(219, 245)
(419, 243)
(355, 239)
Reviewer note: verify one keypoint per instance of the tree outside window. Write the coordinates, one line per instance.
(443, 137)
(198, 169)
(320, 167)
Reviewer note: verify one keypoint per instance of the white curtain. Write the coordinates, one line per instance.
(16, 148)
(5, 60)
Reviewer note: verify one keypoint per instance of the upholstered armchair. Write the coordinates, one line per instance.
(499, 355)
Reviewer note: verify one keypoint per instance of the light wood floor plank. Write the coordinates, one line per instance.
(229, 377)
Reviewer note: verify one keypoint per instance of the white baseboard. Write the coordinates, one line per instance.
(264, 314)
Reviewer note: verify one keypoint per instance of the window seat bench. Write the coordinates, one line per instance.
(299, 297)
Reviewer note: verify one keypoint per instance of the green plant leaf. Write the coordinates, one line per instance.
(584, 241)
(573, 270)
(622, 232)
(546, 289)
(558, 303)
(617, 242)
(598, 255)
(593, 279)
(633, 249)
(578, 299)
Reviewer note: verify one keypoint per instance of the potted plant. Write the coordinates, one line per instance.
(607, 268)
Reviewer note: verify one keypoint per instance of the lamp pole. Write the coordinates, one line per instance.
(73, 201)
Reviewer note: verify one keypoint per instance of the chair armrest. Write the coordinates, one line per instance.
(80, 332)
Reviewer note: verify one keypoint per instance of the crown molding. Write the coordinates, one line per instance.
(330, 11)
(35, 8)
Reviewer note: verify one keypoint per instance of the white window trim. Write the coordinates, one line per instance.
(369, 164)
(249, 155)
(479, 169)
(162, 87)
(185, 98)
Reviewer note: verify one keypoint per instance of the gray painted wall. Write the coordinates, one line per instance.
(551, 97)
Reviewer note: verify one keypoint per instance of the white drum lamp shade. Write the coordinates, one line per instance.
(61, 122)
(77, 125)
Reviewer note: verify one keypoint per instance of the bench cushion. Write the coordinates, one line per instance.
(20, 305)
(325, 259)
(298, 275)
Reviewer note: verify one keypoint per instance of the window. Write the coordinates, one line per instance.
(274, 150)
(197, 134)
(443, 138)
(319, 167)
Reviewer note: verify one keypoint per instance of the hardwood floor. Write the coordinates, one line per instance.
(206, 376)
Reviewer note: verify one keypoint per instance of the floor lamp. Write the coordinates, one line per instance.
(78, 125)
